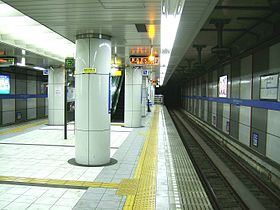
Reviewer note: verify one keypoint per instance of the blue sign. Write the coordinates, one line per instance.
(46, 72)
(145, 73)
(255, 139)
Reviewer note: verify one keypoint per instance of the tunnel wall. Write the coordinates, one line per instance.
(243, 113)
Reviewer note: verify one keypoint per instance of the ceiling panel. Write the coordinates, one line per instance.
(189, 27)
(111, 17)
(251, 22)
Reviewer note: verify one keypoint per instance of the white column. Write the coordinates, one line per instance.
(92, 104)
(144, 96)
(153, 77)
(152, 94)
(132, 106)
(56, 79)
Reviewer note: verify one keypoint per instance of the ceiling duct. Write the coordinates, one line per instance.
(221, 51)
(171, 7)
(141, 27)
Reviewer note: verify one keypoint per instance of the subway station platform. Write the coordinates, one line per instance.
(150, 169)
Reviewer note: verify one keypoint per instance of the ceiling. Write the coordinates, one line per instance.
(118, 19)
(110, 17)
(250, 22)
(31, 59)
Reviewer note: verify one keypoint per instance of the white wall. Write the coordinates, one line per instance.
(273, 116)
(245, 93)
(214, 94)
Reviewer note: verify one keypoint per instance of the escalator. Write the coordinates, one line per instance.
(117, 112)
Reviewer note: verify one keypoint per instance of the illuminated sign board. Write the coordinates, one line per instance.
(143, 61)
(269, 87)
(223, 86)
(69, 63)
(7, 61)
(4, 84)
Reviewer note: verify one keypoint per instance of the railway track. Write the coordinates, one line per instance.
(229, 185)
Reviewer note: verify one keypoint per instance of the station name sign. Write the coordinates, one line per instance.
(143, 60)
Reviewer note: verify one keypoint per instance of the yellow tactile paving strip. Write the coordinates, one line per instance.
(58, 182)
(140, 190)
(22, 127)
(145, 175)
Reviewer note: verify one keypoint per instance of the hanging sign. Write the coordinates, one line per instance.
(69, 63)
(143, 60)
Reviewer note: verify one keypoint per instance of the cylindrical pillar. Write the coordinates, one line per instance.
(152, 94)
(132, 106)
(92, 104)
(144, 96)
(56, 79)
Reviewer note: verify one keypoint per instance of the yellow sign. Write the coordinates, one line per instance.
(117, 74)
(89, 71)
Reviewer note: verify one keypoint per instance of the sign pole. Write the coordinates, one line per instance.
(65, 106)
(69, 66)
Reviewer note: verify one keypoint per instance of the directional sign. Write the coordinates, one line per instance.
(69, 63)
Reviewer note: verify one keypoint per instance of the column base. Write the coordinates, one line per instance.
(73, 161)
(132, 119)
(55, 117)
(92, 148)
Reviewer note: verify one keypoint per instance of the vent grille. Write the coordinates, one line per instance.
(141, 27)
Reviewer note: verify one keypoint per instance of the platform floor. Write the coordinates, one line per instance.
(36, 173)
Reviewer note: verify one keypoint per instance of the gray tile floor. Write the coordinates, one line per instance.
(40, 161)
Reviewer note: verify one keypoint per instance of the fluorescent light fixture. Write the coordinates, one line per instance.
(39, 68)
(169, 25)
(21, 31)
(20, 64)
(163, 7)
(179, 7)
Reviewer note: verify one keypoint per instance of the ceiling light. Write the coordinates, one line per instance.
(151, 57)
(21, 31)
(179, 8)
(39, 68)
(163, 7)
(169, 25)
(151, 31)
(20, 64)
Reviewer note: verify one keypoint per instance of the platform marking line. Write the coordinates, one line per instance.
(57, 182)
(22, 127)
(144, 196)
